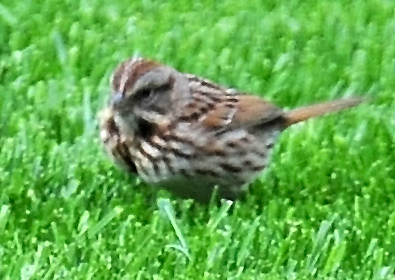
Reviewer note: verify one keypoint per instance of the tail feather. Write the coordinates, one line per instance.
(303, 113)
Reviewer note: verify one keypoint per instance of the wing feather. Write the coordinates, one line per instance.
(225, 108)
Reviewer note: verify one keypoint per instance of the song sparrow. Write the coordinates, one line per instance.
(188, 134)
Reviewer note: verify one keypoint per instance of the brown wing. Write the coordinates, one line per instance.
(242, 111)
(220, 107)
(252, 110)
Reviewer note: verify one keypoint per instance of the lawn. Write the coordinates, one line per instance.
(324, 209)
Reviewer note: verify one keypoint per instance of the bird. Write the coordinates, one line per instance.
(191, 136)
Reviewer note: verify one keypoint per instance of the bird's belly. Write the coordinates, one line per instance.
(190, 170)
(198, 178)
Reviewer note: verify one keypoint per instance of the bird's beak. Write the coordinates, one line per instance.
(116, 99)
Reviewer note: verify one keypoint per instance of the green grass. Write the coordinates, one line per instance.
(323, 210)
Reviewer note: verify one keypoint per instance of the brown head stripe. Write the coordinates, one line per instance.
(135, 69)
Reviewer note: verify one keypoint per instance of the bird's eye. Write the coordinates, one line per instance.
(164, 87)
(147, 93)
(144, 93)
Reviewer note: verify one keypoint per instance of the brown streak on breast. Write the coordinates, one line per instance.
(120, 150)
(123, 152)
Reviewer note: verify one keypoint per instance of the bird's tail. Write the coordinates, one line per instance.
(303, 113)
